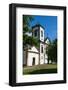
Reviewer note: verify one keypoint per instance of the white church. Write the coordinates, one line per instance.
(33, 56)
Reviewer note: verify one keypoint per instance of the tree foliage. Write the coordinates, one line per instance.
(52, 51)
(28, 40)
(26, 23)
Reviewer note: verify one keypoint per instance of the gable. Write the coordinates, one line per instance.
(33, 49)
(47, 41)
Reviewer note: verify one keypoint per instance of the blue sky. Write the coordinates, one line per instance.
(49, 23)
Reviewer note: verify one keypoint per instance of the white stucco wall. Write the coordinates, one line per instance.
(32, 53)
(30, 58)
(41, 54)
(46, 59)
(41, 38)
(50, 61)
(24, 57)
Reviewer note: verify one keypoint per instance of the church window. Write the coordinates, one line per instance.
(41, 33)
(35, 33)
(41, 49)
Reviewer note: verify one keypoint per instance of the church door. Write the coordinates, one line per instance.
(33, 63)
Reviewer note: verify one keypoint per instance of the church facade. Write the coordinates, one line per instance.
(35, 56)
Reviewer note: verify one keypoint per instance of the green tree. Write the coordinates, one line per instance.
(28, 40)
(52, 51)
(26, 23)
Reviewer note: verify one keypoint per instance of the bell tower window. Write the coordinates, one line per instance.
(41, 33)
(35, 33)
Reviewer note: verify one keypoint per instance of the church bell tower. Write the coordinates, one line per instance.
(38, 32)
